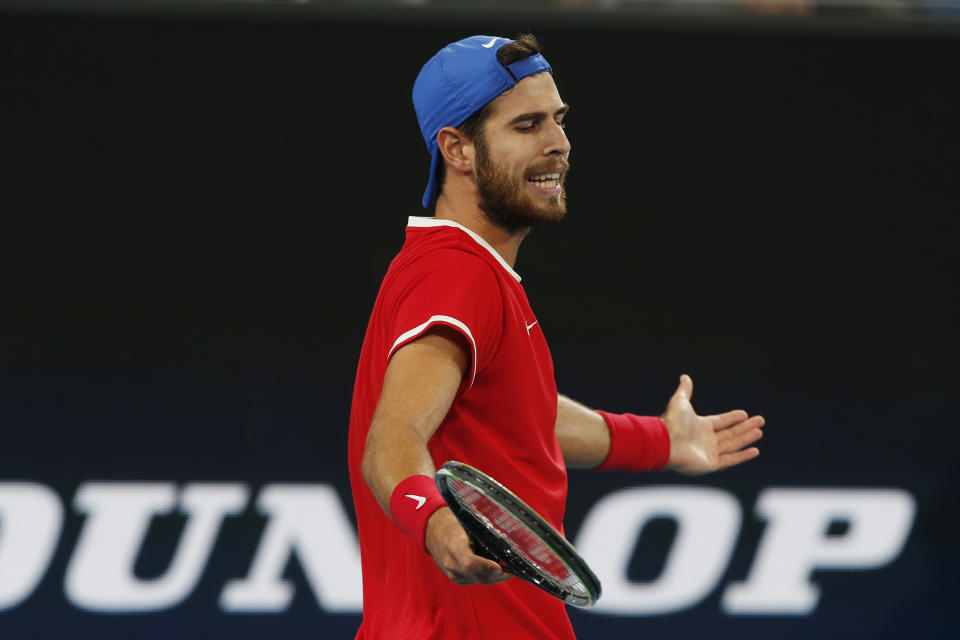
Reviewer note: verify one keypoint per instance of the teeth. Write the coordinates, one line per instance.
(547, 180)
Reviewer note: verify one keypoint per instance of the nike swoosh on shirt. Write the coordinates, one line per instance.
(420, 499)
(489, 44)
(530, 326)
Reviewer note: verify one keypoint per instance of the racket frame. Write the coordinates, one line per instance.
(489, 543)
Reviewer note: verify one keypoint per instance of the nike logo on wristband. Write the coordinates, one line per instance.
(420, 499)
(530, 326)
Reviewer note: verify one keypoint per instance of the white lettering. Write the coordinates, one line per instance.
(796, 542)
(707, 524)
(100, 575)
(310, 523)
(30, 520)
(308, 520)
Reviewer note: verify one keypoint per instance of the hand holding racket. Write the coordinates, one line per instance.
(504, 528)
(456, 556)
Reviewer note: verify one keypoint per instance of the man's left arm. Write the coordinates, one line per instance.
(697, 444)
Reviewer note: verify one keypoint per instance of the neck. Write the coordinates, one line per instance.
(505, 242)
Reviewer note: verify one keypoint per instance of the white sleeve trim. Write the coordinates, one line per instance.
(416, 221)
(406, 336)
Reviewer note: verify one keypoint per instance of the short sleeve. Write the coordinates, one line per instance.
(452, 288)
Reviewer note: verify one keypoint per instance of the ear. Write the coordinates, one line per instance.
(457, 151)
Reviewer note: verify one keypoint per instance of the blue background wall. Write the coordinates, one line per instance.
(201, 207)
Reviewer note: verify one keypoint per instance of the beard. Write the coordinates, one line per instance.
(505, 200)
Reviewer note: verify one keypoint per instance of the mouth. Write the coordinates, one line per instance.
(548, 183)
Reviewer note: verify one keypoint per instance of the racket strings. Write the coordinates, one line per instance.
(525, 542)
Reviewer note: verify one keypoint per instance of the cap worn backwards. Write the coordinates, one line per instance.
(458, 81)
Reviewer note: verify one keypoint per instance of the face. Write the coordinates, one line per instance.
(521, 158)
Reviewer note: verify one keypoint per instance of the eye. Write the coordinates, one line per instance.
(527, 127)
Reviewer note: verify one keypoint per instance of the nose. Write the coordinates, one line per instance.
(555, 140)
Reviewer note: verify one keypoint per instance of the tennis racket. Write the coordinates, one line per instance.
(507, 531)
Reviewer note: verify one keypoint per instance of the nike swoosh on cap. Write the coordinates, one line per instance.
(490, 44)
(420, 499)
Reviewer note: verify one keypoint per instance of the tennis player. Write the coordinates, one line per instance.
(455, 366)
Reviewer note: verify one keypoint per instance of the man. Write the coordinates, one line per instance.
(455, 366)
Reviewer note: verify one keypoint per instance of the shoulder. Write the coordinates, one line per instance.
(449, 267)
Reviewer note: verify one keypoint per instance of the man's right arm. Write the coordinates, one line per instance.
(420, 385)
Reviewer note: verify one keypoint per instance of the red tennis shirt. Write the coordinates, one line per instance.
(501, 422)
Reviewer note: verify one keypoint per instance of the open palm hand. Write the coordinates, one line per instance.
(701, 444)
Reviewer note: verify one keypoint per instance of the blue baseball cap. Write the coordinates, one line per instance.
(458, 81)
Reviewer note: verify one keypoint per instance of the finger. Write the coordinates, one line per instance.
(730, 418)
(487, 568)
(493, 576)
(728, 460)
(458, 578)
(465, 579)
(740, 428)
(685, 388)
(478, 570)
(469, 563)
(740, 441)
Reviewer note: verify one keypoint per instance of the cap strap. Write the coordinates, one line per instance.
(529, 66)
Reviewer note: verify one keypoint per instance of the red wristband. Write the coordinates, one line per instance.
(637, 443)
(411, 505)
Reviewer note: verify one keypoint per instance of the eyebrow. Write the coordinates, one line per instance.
(537, 116)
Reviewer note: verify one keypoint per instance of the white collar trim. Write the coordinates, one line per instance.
(419, 221)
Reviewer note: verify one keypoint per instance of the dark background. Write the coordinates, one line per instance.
(197, 209)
